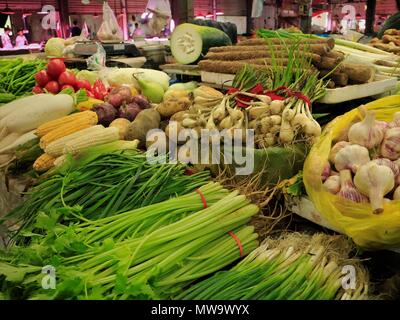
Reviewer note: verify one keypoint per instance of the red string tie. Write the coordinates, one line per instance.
(239, 244)
(203, 199)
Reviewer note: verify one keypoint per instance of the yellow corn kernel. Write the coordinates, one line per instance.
(43, 163)
(88, 104)
(55, 148)
(66, 130)
(104, 136)
(55, 124)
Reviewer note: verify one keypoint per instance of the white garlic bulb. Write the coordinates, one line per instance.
(396, 195)
(396, 121)
(390, 147)
(366, 133)
(374, 181)
(332, 184)
(336, 148)
(326, 172)
(392, 165)
(351, 157)
(348, 189)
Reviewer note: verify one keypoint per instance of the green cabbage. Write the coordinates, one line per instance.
(55, 48)
(90, 76)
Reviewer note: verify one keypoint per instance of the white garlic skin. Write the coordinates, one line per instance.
(396, 195)
(348, 190)
(336, 148)
(332, 184)
(390, 147)
(396, 121)
(390, 164)
(374, 181)
(326, 172)
(351, 157)
(367, 133)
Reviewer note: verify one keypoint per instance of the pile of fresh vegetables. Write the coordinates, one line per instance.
(106, 180)
(390, 41)
(19, 119)
(293, 267)
(144, 259)
(17, 77)
(279, 117)
(383, 62)
(367, 160)
(57, 78)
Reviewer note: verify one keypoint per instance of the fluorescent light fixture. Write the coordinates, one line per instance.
(172, 25)
(7, 10)
(219, 13)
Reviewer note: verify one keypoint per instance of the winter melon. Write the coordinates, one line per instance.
(189, 42)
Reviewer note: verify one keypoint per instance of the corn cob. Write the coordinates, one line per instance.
(43, 163)
(104, 136)
(47, 127)
(86, 121)
(55, 148)
(60, 160)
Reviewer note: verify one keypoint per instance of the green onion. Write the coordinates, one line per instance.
(293, 267)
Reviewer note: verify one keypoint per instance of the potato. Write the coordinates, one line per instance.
(145, 121)
(170, 107)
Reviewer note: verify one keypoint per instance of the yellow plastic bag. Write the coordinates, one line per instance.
(368, 230)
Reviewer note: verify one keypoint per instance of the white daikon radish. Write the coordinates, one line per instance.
(19, 142)
(10, 139)
(8, 108)
(41, 110)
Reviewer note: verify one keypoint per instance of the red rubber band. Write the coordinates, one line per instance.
(239, 244)
(203, 199)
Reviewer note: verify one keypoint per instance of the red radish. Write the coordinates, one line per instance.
(53, 87)
(89, 93)
(67, 77)
(83, 84)
(42, 78)
(55, 67)
(37, 90)
(67, 86)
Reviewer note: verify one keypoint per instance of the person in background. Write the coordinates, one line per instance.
(21, 40)
(5, 39)
(75, 30)
(138, 31)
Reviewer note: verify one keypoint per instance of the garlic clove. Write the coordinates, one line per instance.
(348, 189)
(374, 181)
(390, 164)
(351, 157)
(326, 172)
(332, 184)
(390, 147)
(396, 121)
(366, 133)
(336, 148)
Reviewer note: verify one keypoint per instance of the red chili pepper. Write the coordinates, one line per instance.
(90, 94)
(232, 90)
(190, 171)
(274, 96)
(99, 90)
(257, 89)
